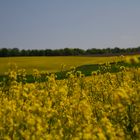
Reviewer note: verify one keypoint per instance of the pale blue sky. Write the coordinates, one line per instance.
(41, 24)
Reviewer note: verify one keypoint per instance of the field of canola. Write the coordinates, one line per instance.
(51, 63)
(101, 107)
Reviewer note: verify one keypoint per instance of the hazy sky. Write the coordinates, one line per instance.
(41, 24)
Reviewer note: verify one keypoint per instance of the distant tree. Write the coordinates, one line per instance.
(14, 52)
(77, 51)
(23, 53)
(41, 53)
(91, 51)
(48, 52)
(68, 51)
(116, 50)
(128, 50)
(107, 51)
(4, 52)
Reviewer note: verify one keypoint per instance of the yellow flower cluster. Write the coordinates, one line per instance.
(101, 107)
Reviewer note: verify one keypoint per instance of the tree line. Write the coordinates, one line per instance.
(7, 52)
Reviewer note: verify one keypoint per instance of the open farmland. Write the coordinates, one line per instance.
(100, 107)
(51, 64)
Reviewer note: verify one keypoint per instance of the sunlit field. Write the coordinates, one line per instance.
(50, 64)
(104, 106)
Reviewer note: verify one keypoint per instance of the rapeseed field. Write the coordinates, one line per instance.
(104, 106)
(50, 63)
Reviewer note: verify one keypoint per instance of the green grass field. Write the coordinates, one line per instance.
(50, 64)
